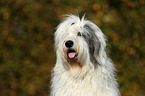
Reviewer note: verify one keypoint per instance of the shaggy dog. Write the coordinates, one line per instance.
(82, 67)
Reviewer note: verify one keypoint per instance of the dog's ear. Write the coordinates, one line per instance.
(96, 42)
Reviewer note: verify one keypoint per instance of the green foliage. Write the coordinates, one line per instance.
(27, 43)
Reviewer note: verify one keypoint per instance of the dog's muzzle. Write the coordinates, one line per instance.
(71, 53)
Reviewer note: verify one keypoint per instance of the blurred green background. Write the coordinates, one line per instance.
(27, 52)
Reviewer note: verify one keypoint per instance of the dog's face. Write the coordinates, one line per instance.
(77, 43)
(75, 48)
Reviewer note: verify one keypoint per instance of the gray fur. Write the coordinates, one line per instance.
(93, 42)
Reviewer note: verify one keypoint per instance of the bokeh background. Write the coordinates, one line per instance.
(27, 52)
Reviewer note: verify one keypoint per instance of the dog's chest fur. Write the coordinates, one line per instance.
(92, 84)
(70, 86)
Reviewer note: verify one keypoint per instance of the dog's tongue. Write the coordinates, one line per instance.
(71, 55)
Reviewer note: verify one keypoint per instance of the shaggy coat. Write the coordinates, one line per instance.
(82, 67)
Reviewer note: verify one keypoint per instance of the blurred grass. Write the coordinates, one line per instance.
(27, 42)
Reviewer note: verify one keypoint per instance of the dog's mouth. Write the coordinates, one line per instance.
(72, 59)
(71, 54)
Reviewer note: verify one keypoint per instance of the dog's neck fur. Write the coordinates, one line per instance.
(95, 82)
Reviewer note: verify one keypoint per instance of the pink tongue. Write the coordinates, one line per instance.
(71, 55)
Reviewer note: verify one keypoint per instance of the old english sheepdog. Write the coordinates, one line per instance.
(82, 67)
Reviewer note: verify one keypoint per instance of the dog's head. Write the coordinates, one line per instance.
(79, 43)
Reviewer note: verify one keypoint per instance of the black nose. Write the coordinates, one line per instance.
(69, 44)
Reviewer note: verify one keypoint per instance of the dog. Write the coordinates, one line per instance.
(82, 67)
